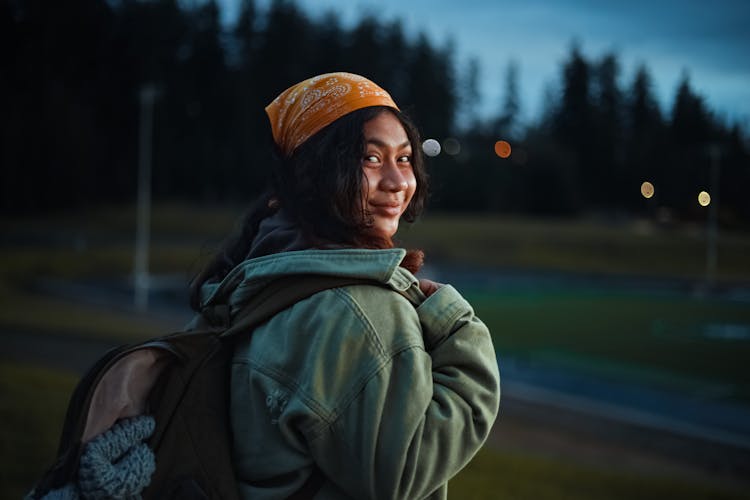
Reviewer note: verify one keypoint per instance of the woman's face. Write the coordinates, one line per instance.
(388, 182)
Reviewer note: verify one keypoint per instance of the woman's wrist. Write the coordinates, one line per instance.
(429, 287)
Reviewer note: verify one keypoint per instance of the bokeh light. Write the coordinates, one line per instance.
(502, 149)
(647, 189)
(704, 199)
(431, 147)
(451, 146)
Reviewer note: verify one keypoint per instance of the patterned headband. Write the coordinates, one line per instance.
(304, 109)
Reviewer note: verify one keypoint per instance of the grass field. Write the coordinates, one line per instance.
(32, 407)
(653, 338)
(624, 247)
(492, 476)
(663, 340)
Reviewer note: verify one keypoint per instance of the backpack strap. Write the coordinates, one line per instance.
(283, 293)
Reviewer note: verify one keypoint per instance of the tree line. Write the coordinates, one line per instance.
(71, 74)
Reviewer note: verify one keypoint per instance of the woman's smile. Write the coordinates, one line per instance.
(393, 209)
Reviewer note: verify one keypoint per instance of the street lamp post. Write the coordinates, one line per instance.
(141, 277)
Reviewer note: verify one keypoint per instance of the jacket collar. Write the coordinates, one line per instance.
(251, 275)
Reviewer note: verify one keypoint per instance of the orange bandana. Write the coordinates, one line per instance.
(304, 109)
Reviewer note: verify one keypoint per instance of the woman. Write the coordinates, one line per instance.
(381, 391)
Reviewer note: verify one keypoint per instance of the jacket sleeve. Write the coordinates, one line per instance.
(423, 414)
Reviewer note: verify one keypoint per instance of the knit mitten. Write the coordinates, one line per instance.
(118, 464)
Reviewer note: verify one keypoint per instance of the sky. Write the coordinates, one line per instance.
(710, 40)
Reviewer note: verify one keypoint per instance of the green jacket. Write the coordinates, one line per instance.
(389, 394)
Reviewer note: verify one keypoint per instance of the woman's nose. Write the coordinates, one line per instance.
(393, 178)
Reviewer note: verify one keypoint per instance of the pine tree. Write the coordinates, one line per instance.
(612, 184)
(507, 123)
(644, 139)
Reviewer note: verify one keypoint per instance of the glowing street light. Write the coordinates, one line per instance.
(647, 190)
(704, 199)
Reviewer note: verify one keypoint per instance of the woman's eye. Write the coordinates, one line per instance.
(371, 159)
(405, 159)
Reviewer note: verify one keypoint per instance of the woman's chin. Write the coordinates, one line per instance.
(384, 228)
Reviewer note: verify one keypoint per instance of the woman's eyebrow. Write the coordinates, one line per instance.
(377, 142)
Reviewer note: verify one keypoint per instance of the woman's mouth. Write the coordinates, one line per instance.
(386, 209)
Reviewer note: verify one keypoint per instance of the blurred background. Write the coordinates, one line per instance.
(590, 198)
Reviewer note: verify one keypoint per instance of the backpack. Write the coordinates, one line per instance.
(182, 380)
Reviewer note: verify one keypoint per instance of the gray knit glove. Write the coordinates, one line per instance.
(118, 464)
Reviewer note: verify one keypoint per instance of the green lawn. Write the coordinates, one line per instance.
(32, 408)
(493, 475)
(579, 245)
(642, 338)
(636, 247)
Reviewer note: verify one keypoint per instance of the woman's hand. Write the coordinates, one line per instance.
(428, 287)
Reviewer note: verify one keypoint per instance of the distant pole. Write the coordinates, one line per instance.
(143, 208)
(713, 215)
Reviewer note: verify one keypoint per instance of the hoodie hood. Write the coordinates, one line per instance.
(277, 233)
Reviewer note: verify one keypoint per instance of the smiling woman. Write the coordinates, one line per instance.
(381, 389)
(370, 384)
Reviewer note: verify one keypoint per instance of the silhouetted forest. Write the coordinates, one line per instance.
(71, 74)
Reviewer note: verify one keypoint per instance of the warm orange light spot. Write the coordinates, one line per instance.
(647, 189)
(704, 199)
(502, 149)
